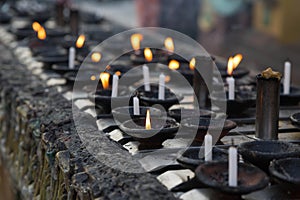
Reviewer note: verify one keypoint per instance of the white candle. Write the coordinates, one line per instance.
(233, 167)
(71, 57)
(208, 147)
(161, 89)
(146, 78)
(230, 81)
(136, 106)
(115, 83)
(287, 77)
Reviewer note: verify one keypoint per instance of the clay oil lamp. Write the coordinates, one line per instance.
(110, 96)
(238, 72)
(192, 157)
(286, 170)
(242, 101)
(261, 153)
(135, 74)
(295, 118)
(74, 66)
(145, 55)
(201, 126)
(183, 67)
(237, 101)
(216, 175)
(122, 114)
(156, 94)
(149, 131)
(182, 113)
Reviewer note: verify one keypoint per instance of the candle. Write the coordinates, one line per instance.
(161, 90)
(287, 77)
(148, 120)
(233, 167)
(208, 147)
(71, 57)
(115, 83)
(230, 81)
(146, 78)
(136, 106)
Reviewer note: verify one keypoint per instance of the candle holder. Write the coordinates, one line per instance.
(261, 153)
(122, 114)
(243, 101)
(189, 158)
(290, 99)
(201, 125)
(182, 113)
(135, 74)
(215, 175)
(161, 130)
(151, 98)
(64, 68)
(84, 78)
(104, 100)
(50, 59)
(295, 118)
(286, 170)
(159, 56)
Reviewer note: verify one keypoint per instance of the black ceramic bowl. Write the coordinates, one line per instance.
(215, 175)
(189, 158)
(161, 130)
(201, 125)
(295, 118)
(286, 170)
(237, 73)
(243, 100)
(183, 113)
(261, 153)
(104, 100)
(290, 99)
(122, 114)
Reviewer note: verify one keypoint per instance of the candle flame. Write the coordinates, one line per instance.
(192, 64)
(148, 120)
(80, 41)
(167, 79)
(96, 57)
(42, 33)
(174, 65)
(104, 77)
(136, 41)
(237, 60)
(118, 73)
(169, 44)
(230, 66)
(36, 26)
(148, 54)
(93, 78)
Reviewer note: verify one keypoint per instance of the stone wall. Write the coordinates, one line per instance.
(42, 152)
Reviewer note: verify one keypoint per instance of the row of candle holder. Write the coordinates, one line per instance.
(219, 168)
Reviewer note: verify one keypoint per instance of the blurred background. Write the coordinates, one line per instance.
(266, 32)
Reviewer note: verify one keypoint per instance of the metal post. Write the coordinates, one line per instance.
(267, 108)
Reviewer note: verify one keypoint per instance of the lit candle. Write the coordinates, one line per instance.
(71, 57)
(161, 90)
(148, 120)
(146, 78)
(233, 167)
(208, 147)
(115, 83)
(287, 77)
(136, 106)
(230, 81)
